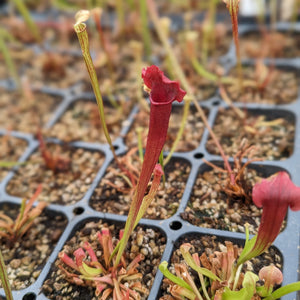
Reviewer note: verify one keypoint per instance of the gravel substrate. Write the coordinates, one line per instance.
(64, 188)
(26, 114)
(210, 207)
(11, 149)
(81, 122)
(285, 44)
(26, 258)
(271, 134)
(269, 85)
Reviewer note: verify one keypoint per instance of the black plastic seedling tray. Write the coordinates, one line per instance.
(174, 228)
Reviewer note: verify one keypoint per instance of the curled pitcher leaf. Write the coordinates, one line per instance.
(274, 194)
(271, 276)
(163, 92)
(162, 89)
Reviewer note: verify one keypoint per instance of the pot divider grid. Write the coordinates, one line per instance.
(174, 227)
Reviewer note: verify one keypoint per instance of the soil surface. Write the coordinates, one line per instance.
(210, 207)
(147, 241)
(56, 69)
(11, 149)
(26, 114)
(272, 134)
(65, 187)
(265, 85)
(279, 44)
(81, 122)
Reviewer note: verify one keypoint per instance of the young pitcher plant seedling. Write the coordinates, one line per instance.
(233, 7)
(182, 78)
(235, 186)
(12, 230)
(163, 92)
(121, 282)
(221, 277)
(275, 194)
(54, 162)
(80, 29)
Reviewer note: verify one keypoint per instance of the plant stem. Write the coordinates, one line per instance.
(62, 5)
(237, 276)
(97, 13)
(188, 278)
(163, 267)
(273, 9)
(191, 53)
(161, 162)
(198, 67)
(28, 20)
(202, 71)
(181, 129)
(139, 131)
(80, 29)
(202, 282)
(9, 164)
(208, 39)
(4, 279)
(155, 19)
(145, 28)
(233, 7)
(120, 14)
(131, 4)
(284, 290)
(228, 101)
(184, 249)
(7, 58)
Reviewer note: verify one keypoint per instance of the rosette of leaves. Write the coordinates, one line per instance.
(120, 282)
(220, 275)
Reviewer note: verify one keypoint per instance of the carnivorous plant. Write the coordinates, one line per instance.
(121, 282)
(11, 230)
(221, 276)
(163, 92)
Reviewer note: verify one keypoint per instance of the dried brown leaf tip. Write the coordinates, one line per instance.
(82, 16)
